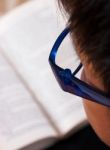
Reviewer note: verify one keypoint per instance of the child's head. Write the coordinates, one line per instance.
(89, 21)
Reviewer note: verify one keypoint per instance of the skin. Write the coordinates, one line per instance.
(98, 115)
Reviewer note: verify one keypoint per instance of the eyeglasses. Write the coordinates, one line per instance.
(70, 83)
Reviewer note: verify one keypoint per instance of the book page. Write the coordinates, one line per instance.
(27, 41)
(21, 120)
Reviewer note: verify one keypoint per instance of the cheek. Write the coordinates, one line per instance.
(99, 118)
(98, 115)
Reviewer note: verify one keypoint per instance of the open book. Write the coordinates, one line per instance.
(34, 111)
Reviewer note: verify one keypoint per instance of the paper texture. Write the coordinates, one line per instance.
(27, 41)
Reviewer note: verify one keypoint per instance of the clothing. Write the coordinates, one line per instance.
(85, 139)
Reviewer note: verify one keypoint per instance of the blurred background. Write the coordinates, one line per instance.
(7, 5)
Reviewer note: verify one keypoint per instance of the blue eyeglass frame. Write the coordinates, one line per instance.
(71, 84)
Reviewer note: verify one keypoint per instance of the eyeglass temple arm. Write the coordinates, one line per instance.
(77, 69)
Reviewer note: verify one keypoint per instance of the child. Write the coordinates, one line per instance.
(89, 21)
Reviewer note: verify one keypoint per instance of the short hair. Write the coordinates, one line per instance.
(89, 21)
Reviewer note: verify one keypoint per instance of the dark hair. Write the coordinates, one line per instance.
(89, 21)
